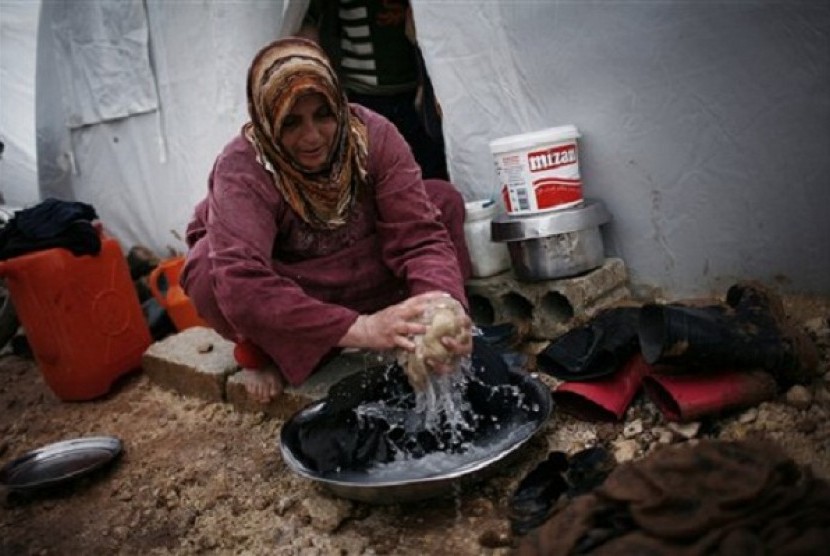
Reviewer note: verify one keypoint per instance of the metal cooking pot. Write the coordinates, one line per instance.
(372, 488)
(554, 244)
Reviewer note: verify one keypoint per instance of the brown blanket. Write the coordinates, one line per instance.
(715, 497)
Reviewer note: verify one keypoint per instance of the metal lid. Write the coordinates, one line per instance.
(511, 227)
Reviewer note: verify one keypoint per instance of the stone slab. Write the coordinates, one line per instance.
(194, 362)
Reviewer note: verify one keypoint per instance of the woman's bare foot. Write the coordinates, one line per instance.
(263, 385)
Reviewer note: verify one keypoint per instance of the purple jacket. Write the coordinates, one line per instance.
(256, 271)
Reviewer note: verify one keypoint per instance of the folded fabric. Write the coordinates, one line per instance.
(48, 225)
(713, 497)
(689, 397)
(595, 349)
(604, 399)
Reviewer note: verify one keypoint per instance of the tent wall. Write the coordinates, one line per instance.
(144, 173)
(18, 167)
(706, 125)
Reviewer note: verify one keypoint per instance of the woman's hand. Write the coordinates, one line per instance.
(460, 345)
(392, 327)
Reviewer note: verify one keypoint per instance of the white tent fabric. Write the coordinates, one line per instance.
(705, 128)
(18, 166)
(104, 61)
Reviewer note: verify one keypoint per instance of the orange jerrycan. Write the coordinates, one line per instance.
(173, 299)
(82, 317)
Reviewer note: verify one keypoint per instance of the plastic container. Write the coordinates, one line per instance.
(539, 171)
(171, 296)
(487, 257)
(82, 317)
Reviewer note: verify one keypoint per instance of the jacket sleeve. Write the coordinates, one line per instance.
(415, 244)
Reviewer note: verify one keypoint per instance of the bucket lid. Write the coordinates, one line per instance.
(511, 227)
(534, 138)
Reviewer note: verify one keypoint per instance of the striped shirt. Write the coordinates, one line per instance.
(377, 57)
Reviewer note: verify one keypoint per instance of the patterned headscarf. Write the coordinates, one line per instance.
(281, 73)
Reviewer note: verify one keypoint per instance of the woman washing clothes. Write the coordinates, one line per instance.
(317, 232)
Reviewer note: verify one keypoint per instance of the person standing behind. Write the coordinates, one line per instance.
(372, 47)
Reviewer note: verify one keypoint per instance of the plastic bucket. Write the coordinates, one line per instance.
(81, 315)
(487, 257)
(539, 171)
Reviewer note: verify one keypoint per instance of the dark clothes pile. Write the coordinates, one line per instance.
(339, 438)
(715, 497)
(50, 224)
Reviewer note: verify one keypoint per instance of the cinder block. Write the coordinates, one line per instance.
(194, 362)
(548, 305)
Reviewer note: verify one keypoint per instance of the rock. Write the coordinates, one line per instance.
(479, 507)
(822, 395)
(633, 428)
(327, 513)
(799, 397)
(748, 416)
(685, 430)
(662, 436)
(625, 450)
(498, 536)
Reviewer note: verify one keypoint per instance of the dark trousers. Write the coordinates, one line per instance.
(400, 110)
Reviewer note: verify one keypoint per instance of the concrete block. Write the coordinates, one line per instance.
(194, 362)
(547, 305)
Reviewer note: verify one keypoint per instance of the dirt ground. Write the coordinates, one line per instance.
(199, 478)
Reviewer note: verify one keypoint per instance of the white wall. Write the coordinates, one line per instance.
(18, 167)
(706, 125)
(144, 173)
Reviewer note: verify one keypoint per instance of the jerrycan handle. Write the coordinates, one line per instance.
(152, 282)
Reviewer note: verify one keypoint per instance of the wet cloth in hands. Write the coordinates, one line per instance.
(715, 497)
(52, 223)
(443, 317)
(342, 437)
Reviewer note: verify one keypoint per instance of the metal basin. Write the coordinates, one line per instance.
(425, 480)
(554, 244)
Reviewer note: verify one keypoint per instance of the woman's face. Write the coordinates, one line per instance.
(307, 132)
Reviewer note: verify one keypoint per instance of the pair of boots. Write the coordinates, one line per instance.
(692, 361)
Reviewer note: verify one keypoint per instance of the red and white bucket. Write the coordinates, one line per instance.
(539, 171)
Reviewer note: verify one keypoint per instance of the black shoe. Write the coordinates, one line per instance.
(597, 349)
(536, 497)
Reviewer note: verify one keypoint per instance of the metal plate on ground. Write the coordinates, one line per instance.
(60, 462)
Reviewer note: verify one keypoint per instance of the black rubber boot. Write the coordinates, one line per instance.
(596, 349)
(750, 331)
